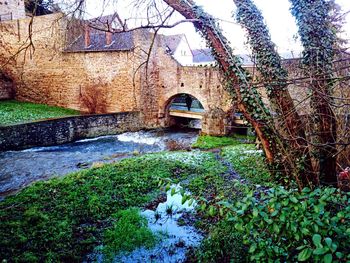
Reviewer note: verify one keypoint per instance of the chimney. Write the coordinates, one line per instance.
(87, 36)
(108, 38)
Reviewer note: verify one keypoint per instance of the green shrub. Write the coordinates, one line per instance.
(286, 225)
(222, 245)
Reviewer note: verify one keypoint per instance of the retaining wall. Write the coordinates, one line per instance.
(64, 130)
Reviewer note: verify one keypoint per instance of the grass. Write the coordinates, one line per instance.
(129, 230)
(248, 163)
(64, 219)
(12, 112)
(210, 142)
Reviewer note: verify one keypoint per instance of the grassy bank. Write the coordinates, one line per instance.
(12, 112)
(63, 219)
(209, 142)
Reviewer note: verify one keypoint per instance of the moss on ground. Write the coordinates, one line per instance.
(210, 142)
(129, 230)
(12, 112)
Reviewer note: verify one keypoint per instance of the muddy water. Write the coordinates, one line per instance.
(20, 168)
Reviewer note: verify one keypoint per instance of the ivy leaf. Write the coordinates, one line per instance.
(305, 254)
(320, 251)
(293, 199)
(255, 212)
(328, 258)
(328, 242)
(316, 239)
(252, 248)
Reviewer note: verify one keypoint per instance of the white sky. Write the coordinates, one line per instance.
(276, 13)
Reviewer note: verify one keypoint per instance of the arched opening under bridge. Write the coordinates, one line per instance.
(184, 110)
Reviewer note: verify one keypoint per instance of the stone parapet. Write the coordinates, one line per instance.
(68, 129)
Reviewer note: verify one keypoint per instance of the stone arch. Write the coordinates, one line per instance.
(171, 96)
(165, 106)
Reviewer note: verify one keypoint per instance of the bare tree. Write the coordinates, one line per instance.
(284, 135)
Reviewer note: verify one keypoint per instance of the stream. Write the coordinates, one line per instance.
(20, 168)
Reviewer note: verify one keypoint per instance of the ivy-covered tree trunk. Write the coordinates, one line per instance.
(275, 77)
(239, 85)
(318, 40)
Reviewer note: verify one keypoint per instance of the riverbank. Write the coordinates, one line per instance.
(14, 112)
(68, 219)
(80, 207)
(42, 163)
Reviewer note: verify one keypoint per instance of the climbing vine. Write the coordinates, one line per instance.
(268, 60)
(239, 84)
(274, 76)
(319, 39)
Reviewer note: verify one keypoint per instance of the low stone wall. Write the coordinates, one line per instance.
(64, 130)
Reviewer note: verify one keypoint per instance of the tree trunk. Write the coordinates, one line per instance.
(248, 99)
(318, 39)
(274, 76)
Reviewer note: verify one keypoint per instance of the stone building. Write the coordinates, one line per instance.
(94, 71)
(79, 67)
(11, 9)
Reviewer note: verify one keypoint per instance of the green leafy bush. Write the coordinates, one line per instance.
(289, 226)
(222, 245)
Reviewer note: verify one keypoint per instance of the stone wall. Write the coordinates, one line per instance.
(11, 9)
(64, 130)
(52, 76)
(49, 75)
(116, 81)
(7, 89)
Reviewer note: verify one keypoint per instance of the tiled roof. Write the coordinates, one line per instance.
(106, 22)
(123, 41)
(202, 56)
(172, 42)
(205, 56)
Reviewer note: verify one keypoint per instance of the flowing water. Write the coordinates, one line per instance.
(20, 168)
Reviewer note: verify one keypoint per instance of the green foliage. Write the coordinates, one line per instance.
(129, 231)
(64, 218)
(209, 142)
(319, 39)
(222, 245)
(268, 61)
(316, 34)
(247, 93)
(289, 226)
(248, 163)
(12, 112)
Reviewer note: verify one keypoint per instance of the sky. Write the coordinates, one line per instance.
(277, 16)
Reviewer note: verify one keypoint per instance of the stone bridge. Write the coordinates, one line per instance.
(110, 76)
